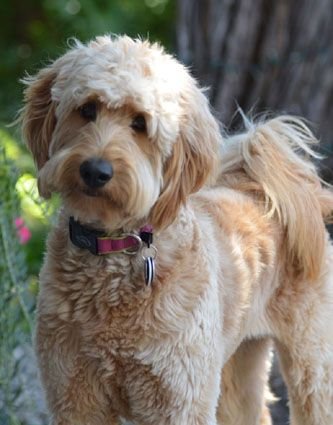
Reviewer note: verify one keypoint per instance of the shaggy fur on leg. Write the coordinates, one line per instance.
(242, 251)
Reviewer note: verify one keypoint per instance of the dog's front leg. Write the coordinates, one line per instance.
(181, 387)
(71, 381)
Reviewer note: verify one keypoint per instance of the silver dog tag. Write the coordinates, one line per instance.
(149, 254)
(149, 270)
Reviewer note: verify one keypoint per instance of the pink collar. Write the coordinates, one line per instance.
(99, 243)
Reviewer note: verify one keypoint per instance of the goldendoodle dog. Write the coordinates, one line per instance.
(177, 255)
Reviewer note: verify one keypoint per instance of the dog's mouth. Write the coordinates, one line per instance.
(91, 192)
(97, 193)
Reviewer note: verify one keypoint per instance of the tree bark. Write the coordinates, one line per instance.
(263, 55)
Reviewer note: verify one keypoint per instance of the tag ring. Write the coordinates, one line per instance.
(150, 251)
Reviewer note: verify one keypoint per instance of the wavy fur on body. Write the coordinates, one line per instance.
(243, 255)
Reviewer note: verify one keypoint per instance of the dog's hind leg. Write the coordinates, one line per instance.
(244, 385)
(303, 318)
(309, 378)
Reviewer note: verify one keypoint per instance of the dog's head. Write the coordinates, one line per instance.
(121, 130)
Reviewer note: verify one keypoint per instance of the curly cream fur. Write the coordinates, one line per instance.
(243, 255)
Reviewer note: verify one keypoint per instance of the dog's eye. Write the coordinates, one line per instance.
(139, 123)
(88, 111)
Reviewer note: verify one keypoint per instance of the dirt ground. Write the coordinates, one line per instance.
(279, 410)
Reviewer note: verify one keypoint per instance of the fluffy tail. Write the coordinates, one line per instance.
(273, 158)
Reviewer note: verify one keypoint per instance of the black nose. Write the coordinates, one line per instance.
(96, 172)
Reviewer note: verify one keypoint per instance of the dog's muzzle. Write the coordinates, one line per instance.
(96, 172)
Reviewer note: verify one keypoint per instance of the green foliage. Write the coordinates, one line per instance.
(16, 300)
(19, 267)
(36, 212)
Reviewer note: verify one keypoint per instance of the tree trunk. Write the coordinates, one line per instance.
(262, 55)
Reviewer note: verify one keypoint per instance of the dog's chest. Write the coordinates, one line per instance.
(113, 341)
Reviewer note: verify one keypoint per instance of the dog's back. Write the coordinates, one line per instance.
(272, 161)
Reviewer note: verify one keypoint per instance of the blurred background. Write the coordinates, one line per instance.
(261, 55)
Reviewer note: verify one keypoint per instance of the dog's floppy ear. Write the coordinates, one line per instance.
(193, 159)
(38, 114)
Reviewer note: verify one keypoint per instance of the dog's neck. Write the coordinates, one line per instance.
(98, 243)
(171, 244)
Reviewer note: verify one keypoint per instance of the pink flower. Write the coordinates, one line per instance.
(23, 232)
